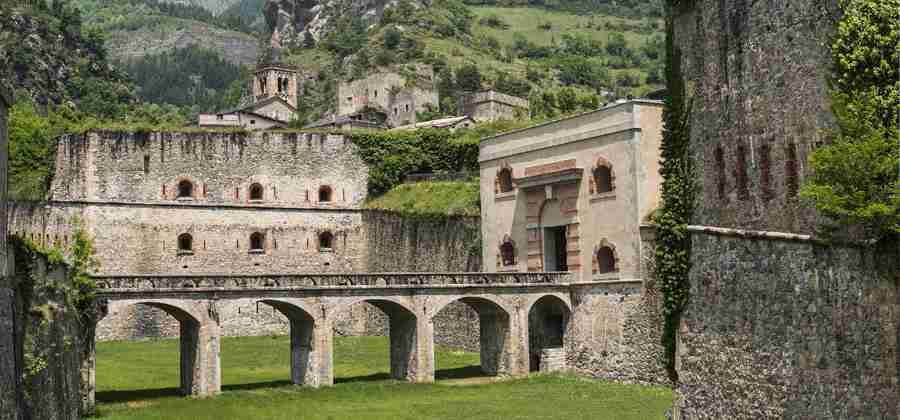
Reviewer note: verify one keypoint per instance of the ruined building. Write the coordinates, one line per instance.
(780, 324)
(492, 106)
(398, 96)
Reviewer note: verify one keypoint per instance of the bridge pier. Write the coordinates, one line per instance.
(312, 362)
(201, 371)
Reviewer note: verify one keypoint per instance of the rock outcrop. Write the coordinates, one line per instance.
(299, 21)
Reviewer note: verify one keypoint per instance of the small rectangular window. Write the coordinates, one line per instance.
(765, 183)
(791, 173)
(720, 172)
(146, 164)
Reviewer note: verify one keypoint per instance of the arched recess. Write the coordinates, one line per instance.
(603, 177)
(548, 321)
(200, 370)
(403, 332)
(606, 259)
(494, 339)
(310, 359)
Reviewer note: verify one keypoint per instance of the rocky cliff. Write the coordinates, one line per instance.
(297, 21)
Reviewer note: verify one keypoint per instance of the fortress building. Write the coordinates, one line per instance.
(572, 195)
(492, 106)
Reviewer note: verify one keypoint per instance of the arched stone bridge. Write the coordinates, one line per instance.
(503, 302)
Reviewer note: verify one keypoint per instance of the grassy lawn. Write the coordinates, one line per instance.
(138, 380)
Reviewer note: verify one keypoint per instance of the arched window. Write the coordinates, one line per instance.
(606, 260)
(257, 240)
(326, 241)
(256, 192)
(603, 179)
(508, 252)
(324, 194)
(185, 189)
(504, 180)
(185, 243)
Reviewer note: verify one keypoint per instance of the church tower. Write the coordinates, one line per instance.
(275, 80)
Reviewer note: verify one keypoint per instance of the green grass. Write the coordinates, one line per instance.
(137, 380)
(431, 198)
(526, 21)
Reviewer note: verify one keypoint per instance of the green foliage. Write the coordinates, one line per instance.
(362, 385)
(348, 36)
(431, 199)
(856, 176)
(190, 77)
(673, 242)
(31, 151)
(567, 100)
(468, 78)
(625, 8)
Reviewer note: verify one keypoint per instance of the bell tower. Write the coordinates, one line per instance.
(275, 80)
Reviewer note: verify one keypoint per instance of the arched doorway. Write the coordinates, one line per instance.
(548, 320)
(474, 324)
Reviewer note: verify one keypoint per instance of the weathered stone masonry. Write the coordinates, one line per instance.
(779, 325)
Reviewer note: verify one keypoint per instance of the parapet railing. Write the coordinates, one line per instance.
(251, 281)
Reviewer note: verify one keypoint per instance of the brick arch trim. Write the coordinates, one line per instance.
(604, 243)
(602, 162)
(503, 167)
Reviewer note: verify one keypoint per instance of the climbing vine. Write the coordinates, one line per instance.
(673, 242)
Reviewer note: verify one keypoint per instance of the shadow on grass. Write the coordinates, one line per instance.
(109, 397)
(460, 373)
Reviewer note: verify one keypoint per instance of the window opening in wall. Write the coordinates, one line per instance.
(274, 243)
(765, 164)
(555, 243)
(504, 178)
(741, 173)
(146, 164)
(164, 191)
(508, 253)
(720, 171)
(791, 173)
(307, 195)
(204, 190)
(326, 240)
(256, 192)
(606, 260)
(185, 243)
(324, 194)
(603, 179)
(256, 241)
(185, 189)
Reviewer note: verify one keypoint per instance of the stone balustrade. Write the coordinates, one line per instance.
(108, 284)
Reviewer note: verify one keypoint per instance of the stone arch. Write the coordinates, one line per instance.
(605, 259)
(185, 188)
(603, 177)
(548, 321)
(200, 369)
(185, 243)
(504, 181)
(326, 241)
(403, 322)
(325, 194)
(307, 345)
(495, 333)
(257, 241)
(256, 192)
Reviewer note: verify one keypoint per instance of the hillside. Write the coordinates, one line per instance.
(563, 61)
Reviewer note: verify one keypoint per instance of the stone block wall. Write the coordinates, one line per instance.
(757, 73)
(291, 168)
(780, 329)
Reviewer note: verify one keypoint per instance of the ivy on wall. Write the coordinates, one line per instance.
(673, 242)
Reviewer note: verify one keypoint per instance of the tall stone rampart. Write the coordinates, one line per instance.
(780, 329)
(779, 324)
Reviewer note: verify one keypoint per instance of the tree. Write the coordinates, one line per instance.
(392, 38)
(468, 78)
(567, 100)
(856, 176)
(616, 44)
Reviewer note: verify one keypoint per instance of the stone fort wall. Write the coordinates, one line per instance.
(779, 325)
